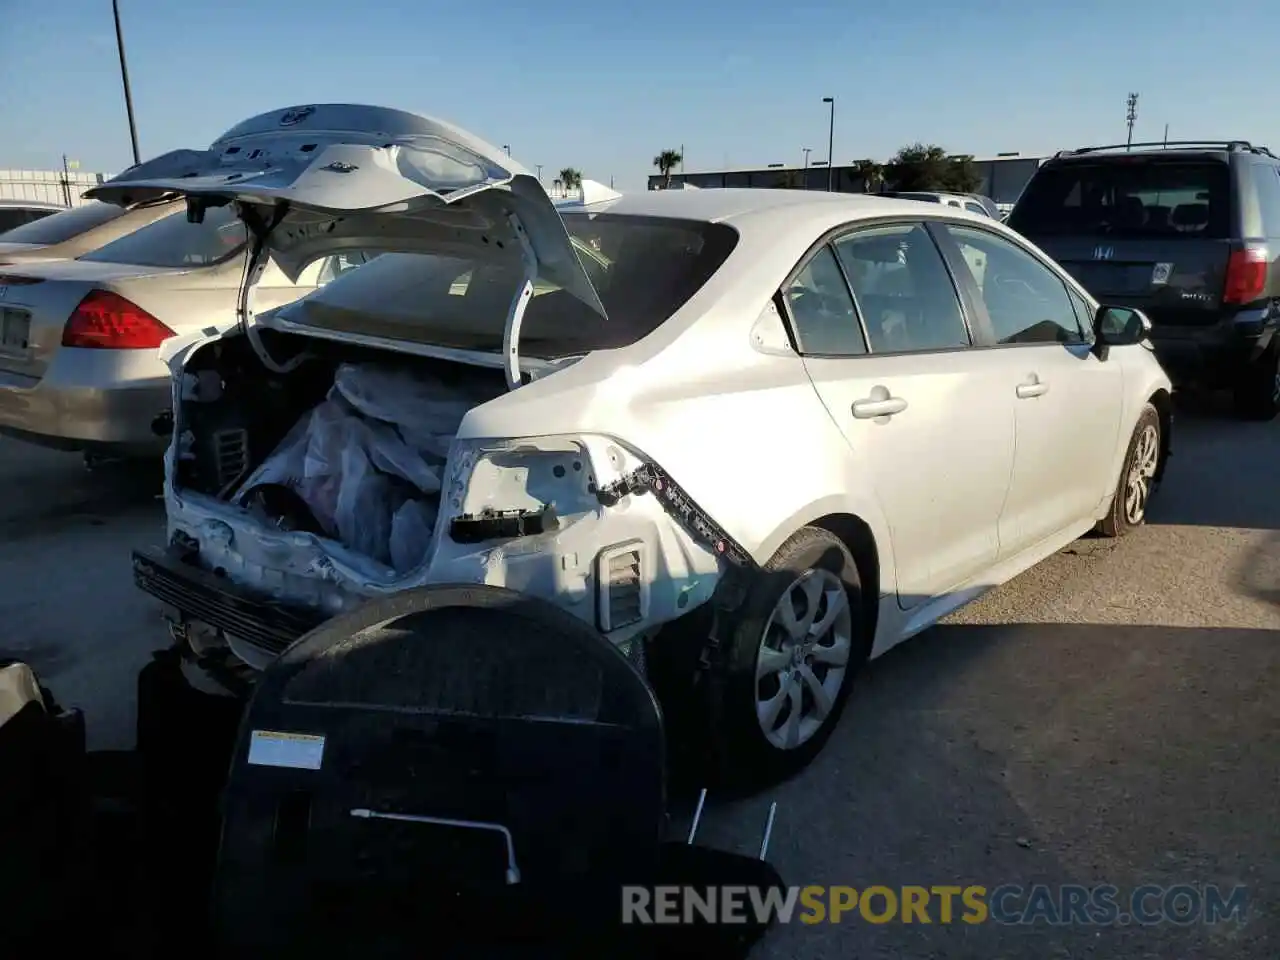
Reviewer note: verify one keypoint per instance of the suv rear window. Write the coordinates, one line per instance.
(1128, 197)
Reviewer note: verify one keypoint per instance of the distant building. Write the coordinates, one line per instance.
(49, 186)
(1002, 177)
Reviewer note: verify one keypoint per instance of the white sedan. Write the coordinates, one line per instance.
(795, 421)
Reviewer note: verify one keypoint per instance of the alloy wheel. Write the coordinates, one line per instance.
(1142, 472)
(803, 657)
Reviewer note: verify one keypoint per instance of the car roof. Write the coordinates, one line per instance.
(33, 204)
(729, 204)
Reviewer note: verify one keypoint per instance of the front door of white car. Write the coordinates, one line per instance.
(924, 414)
(1067, 400)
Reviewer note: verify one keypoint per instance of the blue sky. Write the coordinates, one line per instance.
(604, 86)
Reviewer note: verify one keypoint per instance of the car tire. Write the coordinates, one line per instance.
(1257, 393)
(793, 678)
(1137, 477)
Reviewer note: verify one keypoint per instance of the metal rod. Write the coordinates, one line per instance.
(513, 871)
(124, 75)
(831, 140)
(768, 830)
(697, 816)
(1130, 117)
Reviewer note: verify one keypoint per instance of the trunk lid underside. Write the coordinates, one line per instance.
(336, 177)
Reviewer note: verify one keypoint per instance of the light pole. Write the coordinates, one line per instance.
(539, 166)
(507, 147)
(831, 139)
(124, 75)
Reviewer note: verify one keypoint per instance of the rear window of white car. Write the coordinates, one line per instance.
(175, 242)
(644, 269)
(62, 225)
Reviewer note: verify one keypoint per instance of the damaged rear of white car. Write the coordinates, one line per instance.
(432, 417)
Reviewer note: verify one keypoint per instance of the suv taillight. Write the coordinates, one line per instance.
(107, 321)
(1246, 275)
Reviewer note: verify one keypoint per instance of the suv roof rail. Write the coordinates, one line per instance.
(1232, 146)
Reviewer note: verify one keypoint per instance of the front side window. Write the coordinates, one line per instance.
(174, 242)
(902, 289)
(1026, 301)
(822, 311)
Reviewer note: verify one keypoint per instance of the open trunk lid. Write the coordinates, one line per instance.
(318, 180)
(1148, 231)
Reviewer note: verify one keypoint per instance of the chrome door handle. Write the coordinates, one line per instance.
(1032, 388)
(879, 404)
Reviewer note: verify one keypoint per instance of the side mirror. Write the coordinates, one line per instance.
(1120, 326)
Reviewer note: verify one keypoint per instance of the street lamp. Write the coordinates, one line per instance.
(807, 151)
(539, 166)
(124, 75)
(507, 147)
(831, 139)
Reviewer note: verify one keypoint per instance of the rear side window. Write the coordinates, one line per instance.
(902, 289)
(1128, 197)
(1267, 177)
(822, 310)
(62, 225)
(174, 242)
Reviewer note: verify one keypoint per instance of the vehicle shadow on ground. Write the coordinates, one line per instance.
(43, 489)
(1127, 755)
(1222, 472)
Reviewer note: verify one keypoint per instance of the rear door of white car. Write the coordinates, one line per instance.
(1068, 401)
(886, 341)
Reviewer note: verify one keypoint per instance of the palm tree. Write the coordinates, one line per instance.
(570, 178)
(667, 161)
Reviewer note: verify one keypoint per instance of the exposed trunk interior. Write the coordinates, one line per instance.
(351, 445)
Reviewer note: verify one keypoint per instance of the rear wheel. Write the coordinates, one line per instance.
(792, 659)
(1257, 393)
(1137, 477)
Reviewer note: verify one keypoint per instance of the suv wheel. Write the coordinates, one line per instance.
(790, 663)
(1257, 395)
(1137, 477)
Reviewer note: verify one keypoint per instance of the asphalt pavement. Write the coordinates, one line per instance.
(1109, 717)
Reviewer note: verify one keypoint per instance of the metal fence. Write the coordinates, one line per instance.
(48, 186)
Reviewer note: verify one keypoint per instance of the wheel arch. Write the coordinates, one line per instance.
(857, 535)
(1162, 400)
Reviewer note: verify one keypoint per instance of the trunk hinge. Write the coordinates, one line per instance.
(515, 314)
(260, 229)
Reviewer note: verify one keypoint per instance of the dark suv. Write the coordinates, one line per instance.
(1189, 233)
